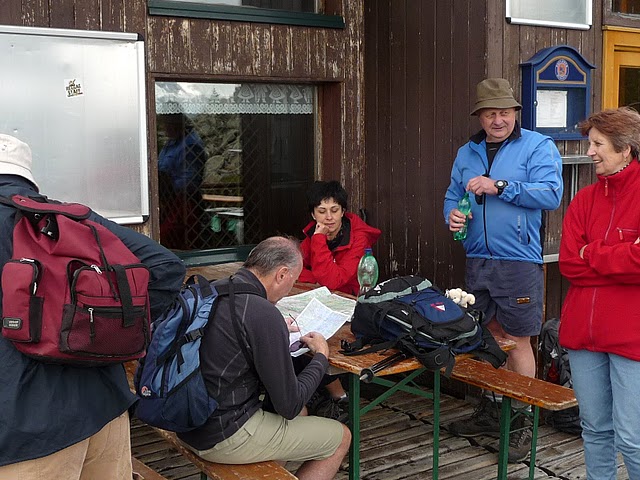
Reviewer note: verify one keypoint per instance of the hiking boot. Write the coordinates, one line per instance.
(337, 409)
(315, 401)
(485, 420)
(520, 440)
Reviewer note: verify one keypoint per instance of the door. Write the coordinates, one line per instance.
(621, 75)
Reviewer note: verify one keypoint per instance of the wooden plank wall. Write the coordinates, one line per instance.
(197, 49)
(508, 46)
(423, 60)
(183, 49)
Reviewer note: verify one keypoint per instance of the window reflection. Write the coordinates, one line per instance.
(234, 162)
(626, 6)
(629, 91)
(289, 5)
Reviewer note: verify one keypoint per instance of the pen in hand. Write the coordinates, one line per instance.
(298, 344)
(291, 323)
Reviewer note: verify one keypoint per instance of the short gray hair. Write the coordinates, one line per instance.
(621, 126)
(273, 253)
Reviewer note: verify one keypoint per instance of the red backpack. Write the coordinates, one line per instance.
(72, 292)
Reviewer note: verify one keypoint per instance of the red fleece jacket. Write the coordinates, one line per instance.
(600, 311)
(337, 269)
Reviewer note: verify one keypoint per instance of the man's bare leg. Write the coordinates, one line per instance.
(326, 469)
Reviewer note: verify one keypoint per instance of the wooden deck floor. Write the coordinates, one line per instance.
(396, 445)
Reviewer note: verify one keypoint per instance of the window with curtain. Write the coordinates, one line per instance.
(234, 162)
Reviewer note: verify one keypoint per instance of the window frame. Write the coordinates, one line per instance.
(552, 23)
(243, 14)
(238, 253)
(619, 19)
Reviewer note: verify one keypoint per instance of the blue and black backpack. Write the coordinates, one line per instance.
(171, 390)
(412, 315)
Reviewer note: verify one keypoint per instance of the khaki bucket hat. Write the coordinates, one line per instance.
(494, 93)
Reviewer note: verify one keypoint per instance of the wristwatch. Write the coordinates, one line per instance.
(501, 185)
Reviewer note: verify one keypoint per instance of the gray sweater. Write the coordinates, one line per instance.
(237, 384)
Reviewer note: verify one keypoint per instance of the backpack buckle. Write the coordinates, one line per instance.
(346, 346)
(193, 335)
(50, 228)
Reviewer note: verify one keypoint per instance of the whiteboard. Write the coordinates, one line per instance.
(551, 13)
(78, 99)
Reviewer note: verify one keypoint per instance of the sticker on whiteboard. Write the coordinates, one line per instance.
(73, 88)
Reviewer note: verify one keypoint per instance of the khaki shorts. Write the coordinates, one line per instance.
(268, 436)
(103, 456)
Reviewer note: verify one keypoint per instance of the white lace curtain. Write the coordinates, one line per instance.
(248, 98)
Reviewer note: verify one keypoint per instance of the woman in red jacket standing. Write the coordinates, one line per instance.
(600, 323)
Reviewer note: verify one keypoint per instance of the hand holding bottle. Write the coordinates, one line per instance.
(457, 219)
(461, 215)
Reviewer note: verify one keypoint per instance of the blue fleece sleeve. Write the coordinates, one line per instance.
(543, 189)
(454, 192)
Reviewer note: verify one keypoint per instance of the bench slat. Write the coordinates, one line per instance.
(514, 385)
(145, 472)
(218, 471)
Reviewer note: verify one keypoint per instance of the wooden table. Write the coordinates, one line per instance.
(222, 198)
(215, 272)
(354, 365)
(409, 368)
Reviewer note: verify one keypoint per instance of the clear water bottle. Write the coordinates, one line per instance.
(367, 271)
(464, 205)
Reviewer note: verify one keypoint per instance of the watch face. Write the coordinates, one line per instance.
(500, 184)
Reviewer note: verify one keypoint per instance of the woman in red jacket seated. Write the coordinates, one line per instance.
(600, 322)
(335, 240)
(331, 250)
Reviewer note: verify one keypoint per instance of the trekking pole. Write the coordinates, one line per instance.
(367, 374)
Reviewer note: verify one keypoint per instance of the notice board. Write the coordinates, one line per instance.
(78, 99)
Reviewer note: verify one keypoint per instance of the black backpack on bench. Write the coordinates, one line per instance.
(412, 315)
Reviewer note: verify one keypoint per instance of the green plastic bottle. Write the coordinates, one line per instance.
(464, 205)
(367, 271)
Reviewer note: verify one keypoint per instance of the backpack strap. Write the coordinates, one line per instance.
(44, 205)
(489, 350)
(357, 347)
(231, 290)
(125, 295)
(192, 336)
(205, 285)
(432, 359)
(206, 290)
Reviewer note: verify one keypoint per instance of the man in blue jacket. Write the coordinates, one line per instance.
(513, 175)
(63, 422)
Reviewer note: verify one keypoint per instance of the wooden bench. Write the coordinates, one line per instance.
(216, 471)
(512, 385)
(219, 471)
(143, 472)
